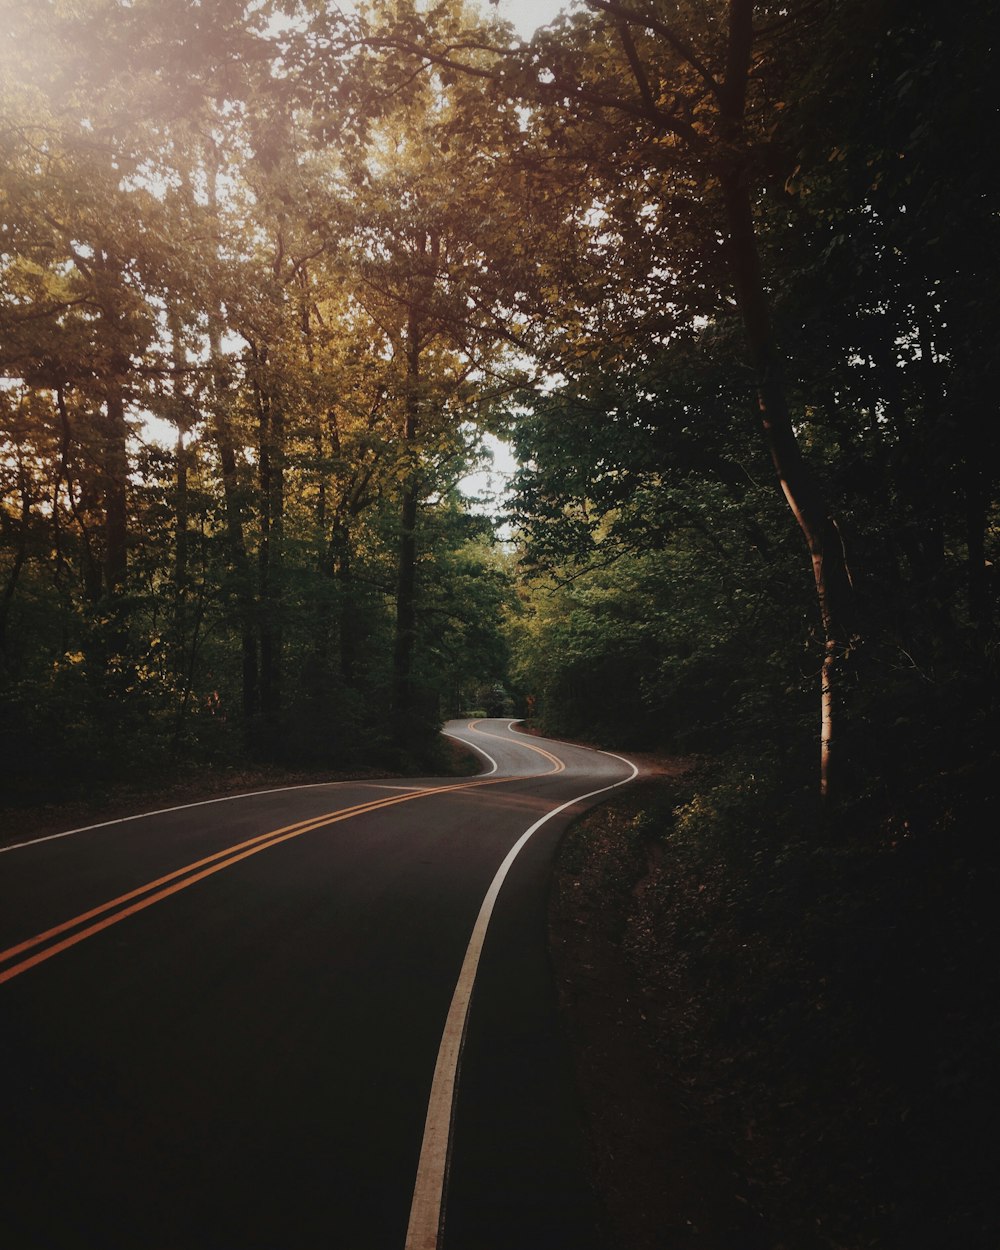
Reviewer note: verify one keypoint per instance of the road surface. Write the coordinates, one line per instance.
(317, 1016)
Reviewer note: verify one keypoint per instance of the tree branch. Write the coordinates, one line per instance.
(667, 122)
(623, 14)
(738, 52)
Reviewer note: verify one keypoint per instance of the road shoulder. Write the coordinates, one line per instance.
(661, 1178)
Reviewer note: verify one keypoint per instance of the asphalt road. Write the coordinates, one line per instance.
(238, 1024)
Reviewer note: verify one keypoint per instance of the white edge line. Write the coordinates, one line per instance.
(225, 798)
(467, 743)
(181, 807)
(423, 1231)
(578, 746)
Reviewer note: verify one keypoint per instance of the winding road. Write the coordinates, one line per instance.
(317, 1016)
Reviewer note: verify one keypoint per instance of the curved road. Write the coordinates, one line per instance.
(318, 1016)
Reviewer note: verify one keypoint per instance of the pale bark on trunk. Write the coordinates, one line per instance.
(727, 153)
(798, 483)
(797, 480)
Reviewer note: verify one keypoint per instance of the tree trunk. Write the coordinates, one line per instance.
(272, 505)
(20, 555)
(406, 580)
(90, 563)
(406, 614)
(115, 488)
(234, 527)
(181, 508)
(246, 608)
(340, 554)
(798, 483)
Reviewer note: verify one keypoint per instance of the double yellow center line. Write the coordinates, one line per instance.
(117, 909)
(62, 936)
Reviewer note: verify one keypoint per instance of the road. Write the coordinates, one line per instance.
(317, 1016)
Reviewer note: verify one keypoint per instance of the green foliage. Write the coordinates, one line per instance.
(694, 645)
(321, 251)
(266, 274)
(242, 299)
(645, 481)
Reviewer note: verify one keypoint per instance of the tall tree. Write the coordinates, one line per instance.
(672, 104)
(438, 279)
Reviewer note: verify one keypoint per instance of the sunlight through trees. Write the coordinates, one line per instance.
(271, 273)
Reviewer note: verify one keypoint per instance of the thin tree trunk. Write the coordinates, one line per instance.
(182, 507)
(115, 488)
(272, 496)
(91, 567)
(115, 432)
(325, 566)
(341, 546)
(234, 527)
(798, 483)
(406, 614)
(246, 608)
(20, 557)
(181, 520)
(406, 580)
(186, 647)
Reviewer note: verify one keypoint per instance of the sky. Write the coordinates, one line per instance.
(527, 14)
(489, 485)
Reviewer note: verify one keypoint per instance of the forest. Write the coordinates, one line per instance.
(275, 274)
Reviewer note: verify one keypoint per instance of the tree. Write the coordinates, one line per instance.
(436, 278)
(674, 102)
(187, 249)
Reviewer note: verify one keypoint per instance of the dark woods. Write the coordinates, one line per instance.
(268, 274)
(243, 379)
(795, 395)
(724, 275)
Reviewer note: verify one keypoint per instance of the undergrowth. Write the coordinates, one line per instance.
(824, 990)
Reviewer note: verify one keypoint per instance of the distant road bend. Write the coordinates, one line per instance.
(316, 1016)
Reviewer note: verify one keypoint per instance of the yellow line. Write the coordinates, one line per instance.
(231, 855)
(146, 895)
(560, 767)
(301, 826)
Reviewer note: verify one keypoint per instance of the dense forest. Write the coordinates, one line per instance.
(722, 274)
